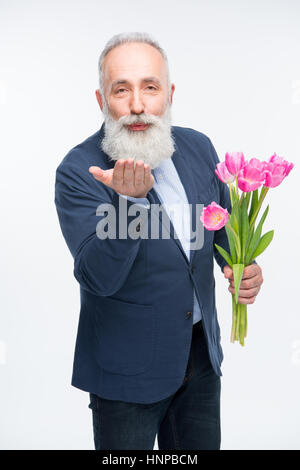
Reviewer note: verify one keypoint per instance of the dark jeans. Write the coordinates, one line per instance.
(188, 419)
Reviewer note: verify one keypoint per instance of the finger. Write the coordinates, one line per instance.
(245, 293)
(248, 283)
(243, 300)
(252, 282)
(96, 171)
(118, 174)
(251, 271)
(139, 174)
(147, 175)
(228, 273)
(129, 172)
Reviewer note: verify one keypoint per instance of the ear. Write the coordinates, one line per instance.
(99, 99)
(171, 93)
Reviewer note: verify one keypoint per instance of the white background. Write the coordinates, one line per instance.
(236, 69)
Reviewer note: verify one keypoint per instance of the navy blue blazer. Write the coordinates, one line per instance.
(135, 327)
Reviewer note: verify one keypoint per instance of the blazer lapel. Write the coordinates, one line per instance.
(186, 176)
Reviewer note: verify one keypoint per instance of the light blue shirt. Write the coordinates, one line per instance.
(171, 193)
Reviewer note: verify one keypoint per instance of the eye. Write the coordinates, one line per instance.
(121, 90)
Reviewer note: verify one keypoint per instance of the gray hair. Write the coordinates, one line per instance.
(124, 38)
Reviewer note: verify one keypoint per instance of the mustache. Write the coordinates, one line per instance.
(141, 118)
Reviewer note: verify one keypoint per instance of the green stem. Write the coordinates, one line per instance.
(237, 334)
(237, 187)
(234, 317)
(242, 323)
(230, 195)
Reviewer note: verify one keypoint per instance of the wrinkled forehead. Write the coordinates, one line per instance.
(133, 62)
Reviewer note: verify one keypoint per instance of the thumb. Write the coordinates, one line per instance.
(105, 176)
(227, 271)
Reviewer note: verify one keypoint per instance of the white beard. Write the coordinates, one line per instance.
(153, 145)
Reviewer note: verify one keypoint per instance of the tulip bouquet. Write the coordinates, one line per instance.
(244, 240)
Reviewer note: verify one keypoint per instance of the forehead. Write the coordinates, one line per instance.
(133, 61)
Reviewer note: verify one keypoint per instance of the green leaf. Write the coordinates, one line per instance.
(254, 203)
(248, 196)
(233, 196)
(256, 237)
(249, 238)
(242, 197)
(234, 217)
(235, 239)
(235, 223)
(224, 254)
(238, 270)
(234, 190)
(263, 243)
(231, 243)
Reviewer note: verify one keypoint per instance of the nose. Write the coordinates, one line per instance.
(136, 104)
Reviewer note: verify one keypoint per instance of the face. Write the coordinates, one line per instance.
(136, 104)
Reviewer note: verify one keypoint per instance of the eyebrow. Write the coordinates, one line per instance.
(123, 81)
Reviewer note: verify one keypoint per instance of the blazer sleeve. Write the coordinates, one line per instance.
(220, 236)
(101, 265)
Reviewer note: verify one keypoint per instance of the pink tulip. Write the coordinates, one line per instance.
(280, 161)
(276, 169)
(252, 175)
(234, 162)
(223, 173)
(214, 216)
(274, 174)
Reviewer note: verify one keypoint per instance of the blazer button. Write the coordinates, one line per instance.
(188, 314)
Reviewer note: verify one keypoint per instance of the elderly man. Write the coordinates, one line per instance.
(148, 342)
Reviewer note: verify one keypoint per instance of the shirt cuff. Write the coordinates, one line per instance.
(137, 200)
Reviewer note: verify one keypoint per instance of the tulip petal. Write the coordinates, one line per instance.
(214, 217)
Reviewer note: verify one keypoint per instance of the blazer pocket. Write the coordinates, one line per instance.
(124, 336)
